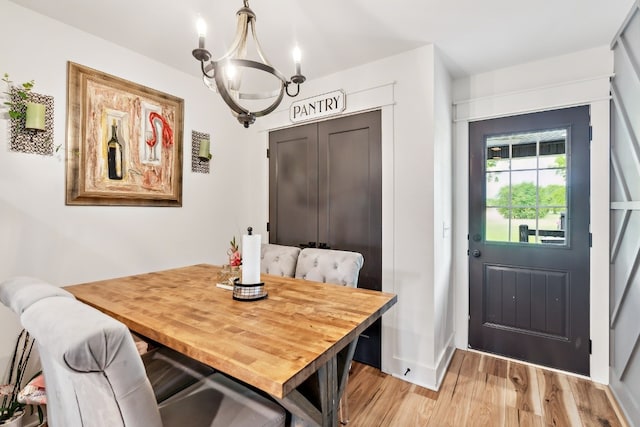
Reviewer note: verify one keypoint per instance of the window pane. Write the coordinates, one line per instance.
(524, 156)
(555, 143)
(551, 229)
(558, 161)
(498, 157)
(525, 187)
(552, 189)
(497, 164)
(524, 163)
(523, 227)
(524, 194)
(497, 225)
(497, 186)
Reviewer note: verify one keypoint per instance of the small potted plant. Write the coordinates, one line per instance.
(230, 271)
(235, 258)
(17, 108)
(11, 410)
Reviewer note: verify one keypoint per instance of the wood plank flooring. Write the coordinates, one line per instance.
(480, 390)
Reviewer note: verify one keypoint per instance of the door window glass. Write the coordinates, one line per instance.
(526, 187)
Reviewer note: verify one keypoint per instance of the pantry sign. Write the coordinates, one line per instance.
(317, 107)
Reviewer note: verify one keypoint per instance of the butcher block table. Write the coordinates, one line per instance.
(301, 329)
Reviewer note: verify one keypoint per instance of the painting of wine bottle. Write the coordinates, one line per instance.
(114, 154)
(127, 144)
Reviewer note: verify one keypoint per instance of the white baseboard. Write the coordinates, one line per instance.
(426, 376)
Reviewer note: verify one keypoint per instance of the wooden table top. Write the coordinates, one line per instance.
(273, 344)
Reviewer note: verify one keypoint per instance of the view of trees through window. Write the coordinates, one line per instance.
(526, 187)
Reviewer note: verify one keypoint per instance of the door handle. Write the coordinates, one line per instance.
(476, 253)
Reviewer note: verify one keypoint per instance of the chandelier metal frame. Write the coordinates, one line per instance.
(213, 72)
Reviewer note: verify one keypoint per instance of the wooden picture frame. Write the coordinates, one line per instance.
(142, 164)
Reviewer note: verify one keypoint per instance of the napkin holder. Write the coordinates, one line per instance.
(248, 292)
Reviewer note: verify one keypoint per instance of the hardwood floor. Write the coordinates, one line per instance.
(479, 390)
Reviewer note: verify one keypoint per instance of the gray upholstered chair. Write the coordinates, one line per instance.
(95, 377)
(341, 268)
(329, 266)
(168, 371)
(278, 260)
(18, 293)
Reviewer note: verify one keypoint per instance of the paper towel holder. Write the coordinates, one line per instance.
(248, 292)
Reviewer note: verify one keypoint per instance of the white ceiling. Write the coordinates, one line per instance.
(472, 35)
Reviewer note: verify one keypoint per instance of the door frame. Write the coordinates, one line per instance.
(541, 99)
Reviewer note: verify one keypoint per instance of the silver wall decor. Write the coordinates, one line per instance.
(198, 165)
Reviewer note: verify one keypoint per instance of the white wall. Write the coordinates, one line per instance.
(40, 236)
(413, 91)
(580, 78)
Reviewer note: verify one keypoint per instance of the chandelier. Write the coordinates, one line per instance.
(225, 75)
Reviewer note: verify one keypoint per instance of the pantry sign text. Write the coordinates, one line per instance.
(319, 106)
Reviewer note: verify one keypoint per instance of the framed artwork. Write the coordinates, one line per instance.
(124, 142)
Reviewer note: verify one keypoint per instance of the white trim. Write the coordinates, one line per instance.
(633, 206)
(426, 376)
(564, 95)
(529, 90)
(460, 232)
(599, 253)
(444, 359)
(389, 328)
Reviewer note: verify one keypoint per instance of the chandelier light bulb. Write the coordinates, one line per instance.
(201, 26)
(233, 77)
(231, 71)
(297, 55)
